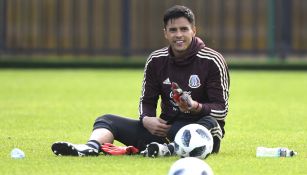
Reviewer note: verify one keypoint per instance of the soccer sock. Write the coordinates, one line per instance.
(93, 144)
(171, 148)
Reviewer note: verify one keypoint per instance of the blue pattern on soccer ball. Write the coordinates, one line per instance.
(179, 172)
(186, 137)
(202, 133)
(198, 151)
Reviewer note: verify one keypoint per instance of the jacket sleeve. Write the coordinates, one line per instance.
(150, 91)
(218, 89)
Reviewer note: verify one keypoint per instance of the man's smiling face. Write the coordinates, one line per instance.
(179, 33)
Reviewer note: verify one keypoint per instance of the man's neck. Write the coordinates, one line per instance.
(179, 55)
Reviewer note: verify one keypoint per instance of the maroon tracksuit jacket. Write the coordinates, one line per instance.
(202, 72)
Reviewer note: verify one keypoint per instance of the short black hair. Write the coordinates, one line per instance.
(178, 11)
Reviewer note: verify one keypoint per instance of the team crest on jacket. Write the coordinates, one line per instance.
(194, 81)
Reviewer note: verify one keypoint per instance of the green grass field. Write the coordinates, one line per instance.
(41, 106)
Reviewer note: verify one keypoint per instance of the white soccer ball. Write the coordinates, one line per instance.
(190, 166)
(193, 140)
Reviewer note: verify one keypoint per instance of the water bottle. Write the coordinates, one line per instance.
(274, 152)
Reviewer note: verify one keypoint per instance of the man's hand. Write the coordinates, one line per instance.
(184, 100)
(186, 104)
(156, 126)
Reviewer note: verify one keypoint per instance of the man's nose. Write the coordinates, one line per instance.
(178, 33)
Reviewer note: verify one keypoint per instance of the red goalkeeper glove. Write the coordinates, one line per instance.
(109, 148)
(183, 99)
(177, 92)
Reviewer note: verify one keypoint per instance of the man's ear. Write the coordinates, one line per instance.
(194, 30)
(164, 31)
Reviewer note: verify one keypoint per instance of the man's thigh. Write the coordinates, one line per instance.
(127, 131)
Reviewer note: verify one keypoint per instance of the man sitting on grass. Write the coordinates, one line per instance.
(192, 81)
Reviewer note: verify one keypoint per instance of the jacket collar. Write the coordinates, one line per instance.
(196, 45)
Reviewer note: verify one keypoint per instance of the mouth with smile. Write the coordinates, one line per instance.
(179, 43)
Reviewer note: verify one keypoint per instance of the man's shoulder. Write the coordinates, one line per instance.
(211, 55)
(159, 53)
(157, 56)
(206, 51)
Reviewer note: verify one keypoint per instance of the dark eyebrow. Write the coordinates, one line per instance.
(172, 28)
(180, 28)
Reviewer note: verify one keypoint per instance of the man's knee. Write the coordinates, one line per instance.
(104, 121)
(212, 125)
(106, 117)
